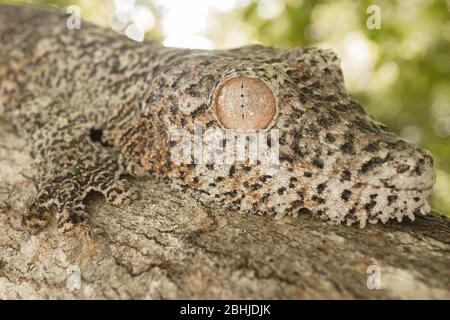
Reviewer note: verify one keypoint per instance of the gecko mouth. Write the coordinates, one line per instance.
(376, 200)
(381, 203)
(386, 185)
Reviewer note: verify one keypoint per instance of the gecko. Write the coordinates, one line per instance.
(96, 108)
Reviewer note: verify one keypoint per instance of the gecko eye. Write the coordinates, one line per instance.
(244, 104)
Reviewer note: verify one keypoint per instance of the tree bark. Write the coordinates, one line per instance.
(167, 246)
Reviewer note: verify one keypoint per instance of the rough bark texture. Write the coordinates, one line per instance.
(166, 245)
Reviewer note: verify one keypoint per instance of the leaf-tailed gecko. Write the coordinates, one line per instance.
(95, 106)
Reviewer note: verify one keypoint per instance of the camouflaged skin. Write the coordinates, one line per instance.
(95, 106)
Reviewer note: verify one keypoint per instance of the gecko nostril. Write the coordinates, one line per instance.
(244, 103)
(402, 168)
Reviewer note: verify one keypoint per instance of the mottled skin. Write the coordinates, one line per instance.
(95, 106)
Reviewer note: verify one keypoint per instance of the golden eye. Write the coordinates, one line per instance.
(245, 104)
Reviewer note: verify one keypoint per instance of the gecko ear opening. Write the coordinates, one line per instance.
(244, 104)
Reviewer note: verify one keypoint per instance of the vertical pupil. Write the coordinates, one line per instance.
(242, 96)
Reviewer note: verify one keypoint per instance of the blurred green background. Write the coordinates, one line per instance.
(400, 72)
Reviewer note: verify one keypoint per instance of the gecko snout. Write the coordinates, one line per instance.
(414, 169)
(400, 165)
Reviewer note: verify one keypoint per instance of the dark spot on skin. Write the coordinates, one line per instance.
(321, 187)
(351, 213)
(264, 178)
(297, 134)
(210, 166)
(256, 186)
(372, 163)
(298, 151)
(373, 196)
(281, 190)
(293, 179)
(192, 91)
(402, 168)
(160, 115)
(96, 136)
(286, 158)
(306, 90)
(316, 85)
(372, 147)
(200, 110)
(297, 114)
(317, 162)
(369, 206)
(419, 167)
(346, 175)
(230, 193)
(416, 199)
(247, 169)
(397, 145)
(232, 171)
(302, 98)
(307, 174)
(304, 210)
(430, 158)
(325, 122)
(237, 202)
(174, 110)
(346, 194)
(330, 138)
(391, 199)
(318, 151)
(364, 126)
(265, 198)
(312, 130)
(342, 107)
(203, 191)
(318, 199)
(347, 147)
(75, 218)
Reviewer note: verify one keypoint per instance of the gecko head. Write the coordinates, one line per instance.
(332, 159)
